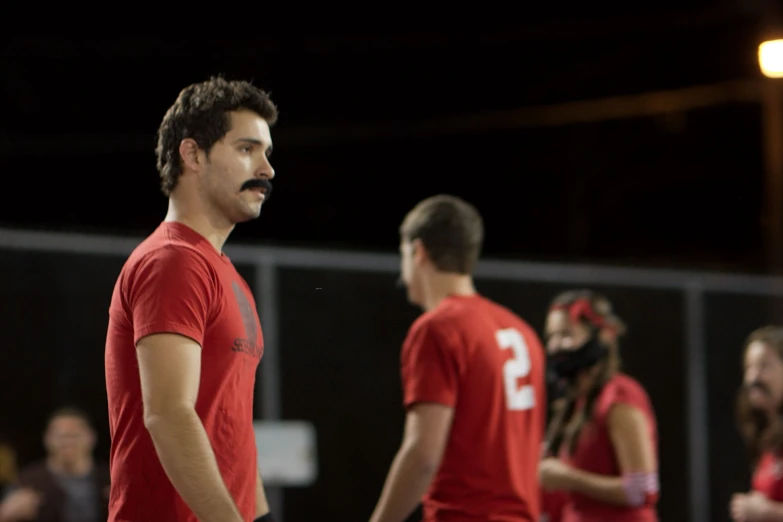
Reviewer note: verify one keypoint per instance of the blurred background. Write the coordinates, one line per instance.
(638, 153)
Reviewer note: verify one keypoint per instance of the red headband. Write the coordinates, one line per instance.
(583, 309)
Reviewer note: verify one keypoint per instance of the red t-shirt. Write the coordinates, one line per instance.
(488, 364)
(594, 453)
(768, 476)
(176, 282)
(552, 504)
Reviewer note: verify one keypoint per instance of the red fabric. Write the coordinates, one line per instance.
(488, 364)
(594, 453)
(176, 282)
(768, 477)
(583, 309)
(552, 505)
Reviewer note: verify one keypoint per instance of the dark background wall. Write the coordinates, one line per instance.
(372, 121)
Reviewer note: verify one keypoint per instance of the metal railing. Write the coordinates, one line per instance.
(266, 261)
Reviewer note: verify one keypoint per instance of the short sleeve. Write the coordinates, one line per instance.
(171, 292)
(621, 391)
(429, 369)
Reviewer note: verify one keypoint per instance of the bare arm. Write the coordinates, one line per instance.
(427, 428)
(21, 504)
(262, 506)
(633, 449)
(755, 507)
(170, 369)
(773, 511)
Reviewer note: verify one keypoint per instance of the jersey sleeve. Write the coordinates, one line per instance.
(621, 391)
(429, 368)
(171, 292)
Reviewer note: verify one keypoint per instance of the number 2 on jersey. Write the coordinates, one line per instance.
(518, 367)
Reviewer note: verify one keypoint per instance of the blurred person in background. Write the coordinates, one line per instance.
(760, 421)
(68, 485)
(473, 376)
(601, 445)
(8, 469)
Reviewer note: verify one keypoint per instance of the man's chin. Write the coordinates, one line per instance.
(247, 214)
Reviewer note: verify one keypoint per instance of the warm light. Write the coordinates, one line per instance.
(771, 58)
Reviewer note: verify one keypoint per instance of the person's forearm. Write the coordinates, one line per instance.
(408, 480)
(189, 461)
(774, 512)
(604, 488)
(262, 506)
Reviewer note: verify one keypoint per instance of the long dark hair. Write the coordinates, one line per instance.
(595, 311)
(759, 431)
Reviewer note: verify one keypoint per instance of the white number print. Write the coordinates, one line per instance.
(517, 398)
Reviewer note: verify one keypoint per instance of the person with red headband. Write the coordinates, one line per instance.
(760, 420)
(601, 447)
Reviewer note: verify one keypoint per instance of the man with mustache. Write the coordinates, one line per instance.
(759, 405)
(184, 338)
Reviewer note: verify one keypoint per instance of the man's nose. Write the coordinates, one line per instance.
(265, 170)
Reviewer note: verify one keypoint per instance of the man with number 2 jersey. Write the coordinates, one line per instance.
(473, 384)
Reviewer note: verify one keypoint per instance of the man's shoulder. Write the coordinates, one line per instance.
(161, 254)
(480, 309)
(501, 310)
(506, 316)
(34, 473)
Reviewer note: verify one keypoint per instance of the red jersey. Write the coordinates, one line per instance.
(768, 476)
(177, 282)
(594, 453)
(552, 504)
(488, 364)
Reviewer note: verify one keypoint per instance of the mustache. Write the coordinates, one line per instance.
(258, 183)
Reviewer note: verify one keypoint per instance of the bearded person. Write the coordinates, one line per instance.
(760, 422)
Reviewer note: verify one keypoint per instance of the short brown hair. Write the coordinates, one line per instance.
(451, 230)
(201, 112)
(758, 432)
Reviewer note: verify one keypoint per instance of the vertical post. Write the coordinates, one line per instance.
(269, 370)
(696, 381)
(772, 118)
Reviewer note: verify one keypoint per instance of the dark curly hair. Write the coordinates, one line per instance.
(201, 112)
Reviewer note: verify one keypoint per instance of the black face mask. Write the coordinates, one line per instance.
(564, 366)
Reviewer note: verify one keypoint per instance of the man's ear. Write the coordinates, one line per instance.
(419, 252)
(190, 153)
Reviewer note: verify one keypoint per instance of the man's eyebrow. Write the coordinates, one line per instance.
(258, 142)
(250, 140)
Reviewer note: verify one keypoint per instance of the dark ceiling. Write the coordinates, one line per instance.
(373, 120)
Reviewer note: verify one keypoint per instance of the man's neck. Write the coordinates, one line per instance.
(214, 232)
(443, 285)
